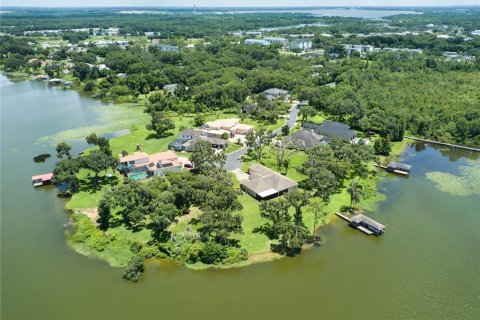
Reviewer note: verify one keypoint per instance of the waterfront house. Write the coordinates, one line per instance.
(141, 165)
(264, 184)
(331, 129)
(304, 139)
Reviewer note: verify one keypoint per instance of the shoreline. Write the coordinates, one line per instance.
(369, 204)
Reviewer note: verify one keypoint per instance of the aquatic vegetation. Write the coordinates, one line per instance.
(465, 184)
(113, 118)
(41, 157)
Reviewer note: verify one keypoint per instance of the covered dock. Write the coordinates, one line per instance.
(364, 224)
(42, 179)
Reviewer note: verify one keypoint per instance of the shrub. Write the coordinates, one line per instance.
(135, 269)
(213, 253)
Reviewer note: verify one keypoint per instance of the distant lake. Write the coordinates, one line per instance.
(337, 12)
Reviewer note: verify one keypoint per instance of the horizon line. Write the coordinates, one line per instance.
(235, 7)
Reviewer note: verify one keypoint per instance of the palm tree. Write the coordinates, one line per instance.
(356, 192)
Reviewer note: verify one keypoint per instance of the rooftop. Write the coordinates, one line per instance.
(266, 182)
(332, 129)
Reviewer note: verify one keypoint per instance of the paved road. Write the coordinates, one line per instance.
(233, 159)
(291, 119)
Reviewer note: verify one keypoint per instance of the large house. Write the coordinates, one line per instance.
(232, 125)
(264, 184)
(216, 132)
(141, 165)
(330, 129)
(215, 142)
(275, 93)
(304, 139)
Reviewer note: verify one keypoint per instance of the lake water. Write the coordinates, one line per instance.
(335, 12)
(426, 265)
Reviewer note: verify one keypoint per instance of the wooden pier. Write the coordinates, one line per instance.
(400, 172)
(444, 144)
(363, 223)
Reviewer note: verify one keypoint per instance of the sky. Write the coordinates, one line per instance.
(231, 3)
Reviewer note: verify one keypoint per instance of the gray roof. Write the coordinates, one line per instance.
(331, 129)
(263, 180)
(401, 166)
(209, 139)
(275, 92)
(305, 139)
(359, 218)
(191, 132)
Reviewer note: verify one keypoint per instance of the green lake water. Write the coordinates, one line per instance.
(426, 265)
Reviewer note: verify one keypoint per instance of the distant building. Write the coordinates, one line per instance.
(274, 40)
(257, 42)
(360, 48)
(172, 88)
(301, 44)
(331, 129)
(275, 93)
(475, 33)
(164, 47)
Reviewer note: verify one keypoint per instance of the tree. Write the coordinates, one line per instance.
(285, 130)
(257, 141)
(318, 208)
(219, 225)
(63, 150)
(307, 112)
(160, 124)
(382, 146)
(281, 154)
(65, 174)
(204, 157)
(135, 269)
(355, 190)
(297, 199)
(98, 161)
(276, 211)
(102, 143)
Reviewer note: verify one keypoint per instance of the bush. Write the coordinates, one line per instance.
(135, 269)
(213, 253)
(190, 252)
(236, 255)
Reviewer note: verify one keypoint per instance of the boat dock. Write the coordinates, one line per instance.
(396, 167)
(42, 179)
(364, 224)
(444, 144)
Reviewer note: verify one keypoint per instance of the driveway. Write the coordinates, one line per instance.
(233, 161)
(292, 118)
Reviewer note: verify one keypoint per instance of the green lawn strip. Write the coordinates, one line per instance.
(91, 193)
(268, 160)
(232, 147)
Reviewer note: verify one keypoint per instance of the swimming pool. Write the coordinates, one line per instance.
(138, 176)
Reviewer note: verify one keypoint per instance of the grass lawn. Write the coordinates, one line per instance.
(90, 193)
(232, 147)
(296, 160)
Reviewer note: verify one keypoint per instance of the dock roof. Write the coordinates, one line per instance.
(43, 177)
(361, 218)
